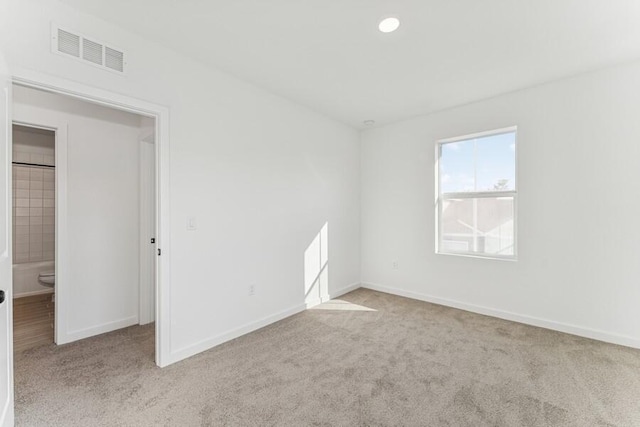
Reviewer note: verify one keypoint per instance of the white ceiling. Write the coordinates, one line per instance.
(329, 55)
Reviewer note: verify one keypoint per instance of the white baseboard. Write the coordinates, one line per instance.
(7, 416)
(209, 343)
(33, 293)
(514, 317)
(332, 295)
(97, 330)
(345, 290)
(314, 302)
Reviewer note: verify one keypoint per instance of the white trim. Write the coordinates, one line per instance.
(209, 343)
(595, 334)
(43, 81)
(439, 196)
(101, 329)
(479, 195)
(437, 206)
(33, 293)
(6, 257)
(49, 83)
(482, 134)
(316, 301)
(494, 257)
(61, 235)
(253, 326)
(7, 417)
(349, 288)
(328, 297)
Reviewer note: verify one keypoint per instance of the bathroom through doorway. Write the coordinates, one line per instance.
(95, 223)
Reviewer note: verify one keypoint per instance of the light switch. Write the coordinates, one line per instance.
(191, 223)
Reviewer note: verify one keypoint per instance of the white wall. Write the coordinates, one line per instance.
(260, 174)
(102, 206)
(579, 205)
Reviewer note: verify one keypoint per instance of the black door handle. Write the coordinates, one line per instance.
(1, 297)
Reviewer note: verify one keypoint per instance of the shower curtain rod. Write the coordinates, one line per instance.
(33, 164)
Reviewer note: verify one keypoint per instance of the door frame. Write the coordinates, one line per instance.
(6, 252)
(59, 128)
(42, 81)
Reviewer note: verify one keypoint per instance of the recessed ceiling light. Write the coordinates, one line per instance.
(388, 25)
(369, 122)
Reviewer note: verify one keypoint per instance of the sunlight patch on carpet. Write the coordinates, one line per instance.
(338, 304)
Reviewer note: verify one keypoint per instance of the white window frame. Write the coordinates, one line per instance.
(440, 197)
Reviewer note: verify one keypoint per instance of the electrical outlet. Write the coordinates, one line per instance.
(394, 264)
(252, 290)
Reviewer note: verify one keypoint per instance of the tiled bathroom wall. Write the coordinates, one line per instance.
(33, 204)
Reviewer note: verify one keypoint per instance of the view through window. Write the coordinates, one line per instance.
(476, 188)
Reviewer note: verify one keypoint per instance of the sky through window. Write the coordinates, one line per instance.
(479, 164)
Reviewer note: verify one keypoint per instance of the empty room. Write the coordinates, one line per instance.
(319, 213)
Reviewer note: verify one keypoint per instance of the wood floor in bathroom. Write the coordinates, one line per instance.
(32, 321)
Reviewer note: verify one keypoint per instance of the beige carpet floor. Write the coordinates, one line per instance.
(369, 359)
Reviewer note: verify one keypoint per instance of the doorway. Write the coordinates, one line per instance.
(103, 200)
(25, 78)
(33, 212)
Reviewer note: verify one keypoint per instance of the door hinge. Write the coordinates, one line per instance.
(159, 252)
(153, 240)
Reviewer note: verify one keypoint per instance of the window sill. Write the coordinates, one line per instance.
(472, 255)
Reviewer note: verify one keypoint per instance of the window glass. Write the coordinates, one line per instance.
(477, 199)
(479, 164)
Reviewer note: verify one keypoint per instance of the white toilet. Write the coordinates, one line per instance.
(47, 278)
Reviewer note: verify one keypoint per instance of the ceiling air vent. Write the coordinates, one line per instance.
(89, 51)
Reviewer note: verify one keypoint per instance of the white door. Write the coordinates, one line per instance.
(147, 231)
(6, 283)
